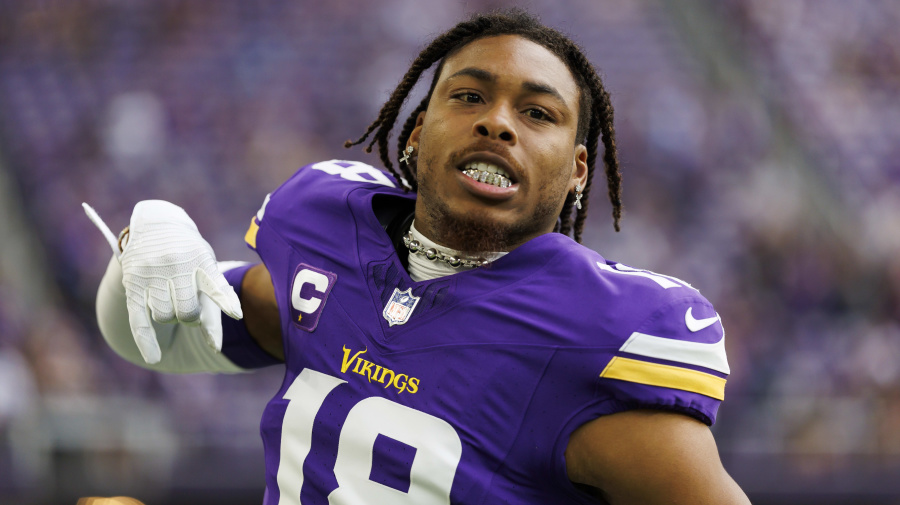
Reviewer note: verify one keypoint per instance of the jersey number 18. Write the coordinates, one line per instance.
(438, 447)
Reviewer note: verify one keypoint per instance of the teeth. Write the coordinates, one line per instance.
(488, 174)
(492, 178)
(486, 167)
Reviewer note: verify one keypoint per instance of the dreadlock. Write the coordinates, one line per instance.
(595, 117)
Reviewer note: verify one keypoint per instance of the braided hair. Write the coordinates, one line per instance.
(595, 117)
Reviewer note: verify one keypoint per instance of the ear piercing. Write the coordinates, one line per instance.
(405, 158)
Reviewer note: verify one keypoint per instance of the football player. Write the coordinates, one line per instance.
(444, 340)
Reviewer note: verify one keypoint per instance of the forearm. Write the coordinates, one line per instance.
(261, 315)
(255, 340)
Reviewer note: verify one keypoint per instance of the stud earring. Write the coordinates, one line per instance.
(405, 158)
(578, 196)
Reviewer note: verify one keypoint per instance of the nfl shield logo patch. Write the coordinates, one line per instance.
(400, 307)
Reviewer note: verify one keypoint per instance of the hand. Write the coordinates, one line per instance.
(168, 271)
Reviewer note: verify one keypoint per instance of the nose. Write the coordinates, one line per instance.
(496, 124)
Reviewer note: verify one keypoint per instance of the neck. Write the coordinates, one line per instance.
(421, 268)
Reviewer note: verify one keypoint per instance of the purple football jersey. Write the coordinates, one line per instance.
(463, 389)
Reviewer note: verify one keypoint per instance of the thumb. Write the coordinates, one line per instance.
(211, 322)
(214, 285)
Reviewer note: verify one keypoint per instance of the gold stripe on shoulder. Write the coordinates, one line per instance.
(655, 374)
(250, 236)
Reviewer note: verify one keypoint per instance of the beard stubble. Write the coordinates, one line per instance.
(475, 234)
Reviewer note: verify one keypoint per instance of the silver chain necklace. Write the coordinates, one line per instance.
(435, 255)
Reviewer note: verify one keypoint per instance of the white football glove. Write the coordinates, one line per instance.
(167, 270)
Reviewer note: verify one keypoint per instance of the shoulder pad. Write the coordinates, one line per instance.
(678, 341)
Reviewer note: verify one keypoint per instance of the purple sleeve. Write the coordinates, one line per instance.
(237, 344)
(674, 361)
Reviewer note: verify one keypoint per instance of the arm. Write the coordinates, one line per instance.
(164, 292)
(647, 457)
(261, 310)
(185, 349)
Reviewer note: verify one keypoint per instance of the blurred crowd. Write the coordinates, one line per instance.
(759, 142)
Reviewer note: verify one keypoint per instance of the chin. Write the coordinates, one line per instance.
(475, 233)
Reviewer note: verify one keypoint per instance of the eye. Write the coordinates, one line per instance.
(538, 114)
(468, 97)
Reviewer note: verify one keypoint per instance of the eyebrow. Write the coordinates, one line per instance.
(530, 86)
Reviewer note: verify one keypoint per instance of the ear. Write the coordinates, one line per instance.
(417, 131)
(579, 168)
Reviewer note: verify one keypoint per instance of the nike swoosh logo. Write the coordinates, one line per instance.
(696, 325)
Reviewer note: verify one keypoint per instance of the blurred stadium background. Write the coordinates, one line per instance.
(760, 142)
